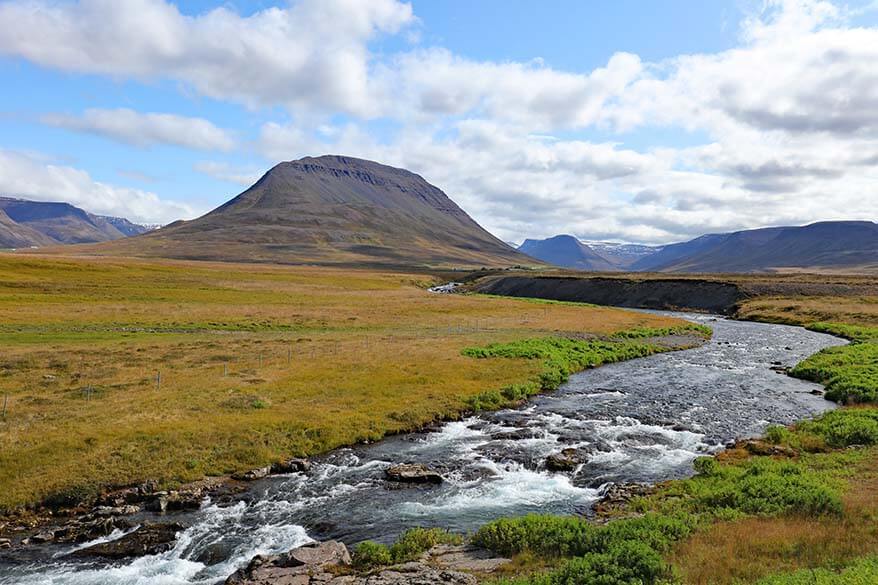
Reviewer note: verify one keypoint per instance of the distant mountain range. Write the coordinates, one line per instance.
(567, 251)
(331, 210)
(338, 210)
(843, 245)
(25, 224)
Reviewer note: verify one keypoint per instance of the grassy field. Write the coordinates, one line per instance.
(115, 371)
(798, 507)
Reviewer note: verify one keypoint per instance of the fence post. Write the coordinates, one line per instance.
(5, 403)
(225, 369)
(158, 380)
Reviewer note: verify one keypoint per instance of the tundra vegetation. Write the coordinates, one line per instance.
(796, 507)
(115, 371)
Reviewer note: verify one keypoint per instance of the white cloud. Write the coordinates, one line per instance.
(312, 53)
(146, 129)
(790, 115)
(29, 177)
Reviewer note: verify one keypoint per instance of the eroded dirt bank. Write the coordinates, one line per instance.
(668, 294)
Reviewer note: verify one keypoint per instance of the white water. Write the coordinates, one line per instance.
(624, 416)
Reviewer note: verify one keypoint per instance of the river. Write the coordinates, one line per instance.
(643, 420)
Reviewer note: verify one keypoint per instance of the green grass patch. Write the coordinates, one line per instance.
(849, 372)
(840, 428)
(643, 332)
(561, 357)
(858, 333)
(863, 572)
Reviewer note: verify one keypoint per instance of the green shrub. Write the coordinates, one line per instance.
(844, 427)
(371, 554)
(565, 536)
(777, 434)
(415, 542)
(760, 486)
(408, 547)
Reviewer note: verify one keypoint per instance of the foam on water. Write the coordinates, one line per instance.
(618, 417)
(179, 565)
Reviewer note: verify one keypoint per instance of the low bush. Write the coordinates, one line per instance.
(623, 552)
(565, 536)
(371, 554)
(408, 547)
(759, 486)
(628, 563)
(844, 427)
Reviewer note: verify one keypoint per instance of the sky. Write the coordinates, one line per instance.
(630, 121)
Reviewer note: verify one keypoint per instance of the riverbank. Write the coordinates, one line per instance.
(118, 372)
(797, 504)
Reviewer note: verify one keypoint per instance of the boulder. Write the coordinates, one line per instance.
(465, 558)
(294, 465)
(412, 473)
(616, 497)
(566, 460)
(296, 567)
(252, 474)
(149, 539)
(317, 554)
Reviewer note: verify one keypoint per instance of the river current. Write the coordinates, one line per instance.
(643, 420)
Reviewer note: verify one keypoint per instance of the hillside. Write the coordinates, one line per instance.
(25, 224)
(331, 210)
(851, 245)
(566, 251)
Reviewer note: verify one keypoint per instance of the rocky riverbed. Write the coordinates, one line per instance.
(641, 422)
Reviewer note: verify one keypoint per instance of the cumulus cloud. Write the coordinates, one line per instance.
(313, 52)
(789, 116)
(29, 177)
(146, 129)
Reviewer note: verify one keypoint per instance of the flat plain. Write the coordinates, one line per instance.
(116, 370)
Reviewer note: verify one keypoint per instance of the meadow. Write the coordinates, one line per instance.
(114, 371)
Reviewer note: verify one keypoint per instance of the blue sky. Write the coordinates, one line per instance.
(631, 121)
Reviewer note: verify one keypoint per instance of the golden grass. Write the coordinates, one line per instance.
(746, 550)
(257, 362)
(861, 310)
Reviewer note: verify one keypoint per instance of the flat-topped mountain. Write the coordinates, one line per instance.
(25, 224)
(331, 210)
(566, 251)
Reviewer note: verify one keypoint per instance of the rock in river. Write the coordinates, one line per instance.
(566, 460)
(412, 473)
(149, 539)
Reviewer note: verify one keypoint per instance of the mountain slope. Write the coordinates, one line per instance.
(39, 223)
(16, 235)
(825, 245)
(566, 251)
(331, 210)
